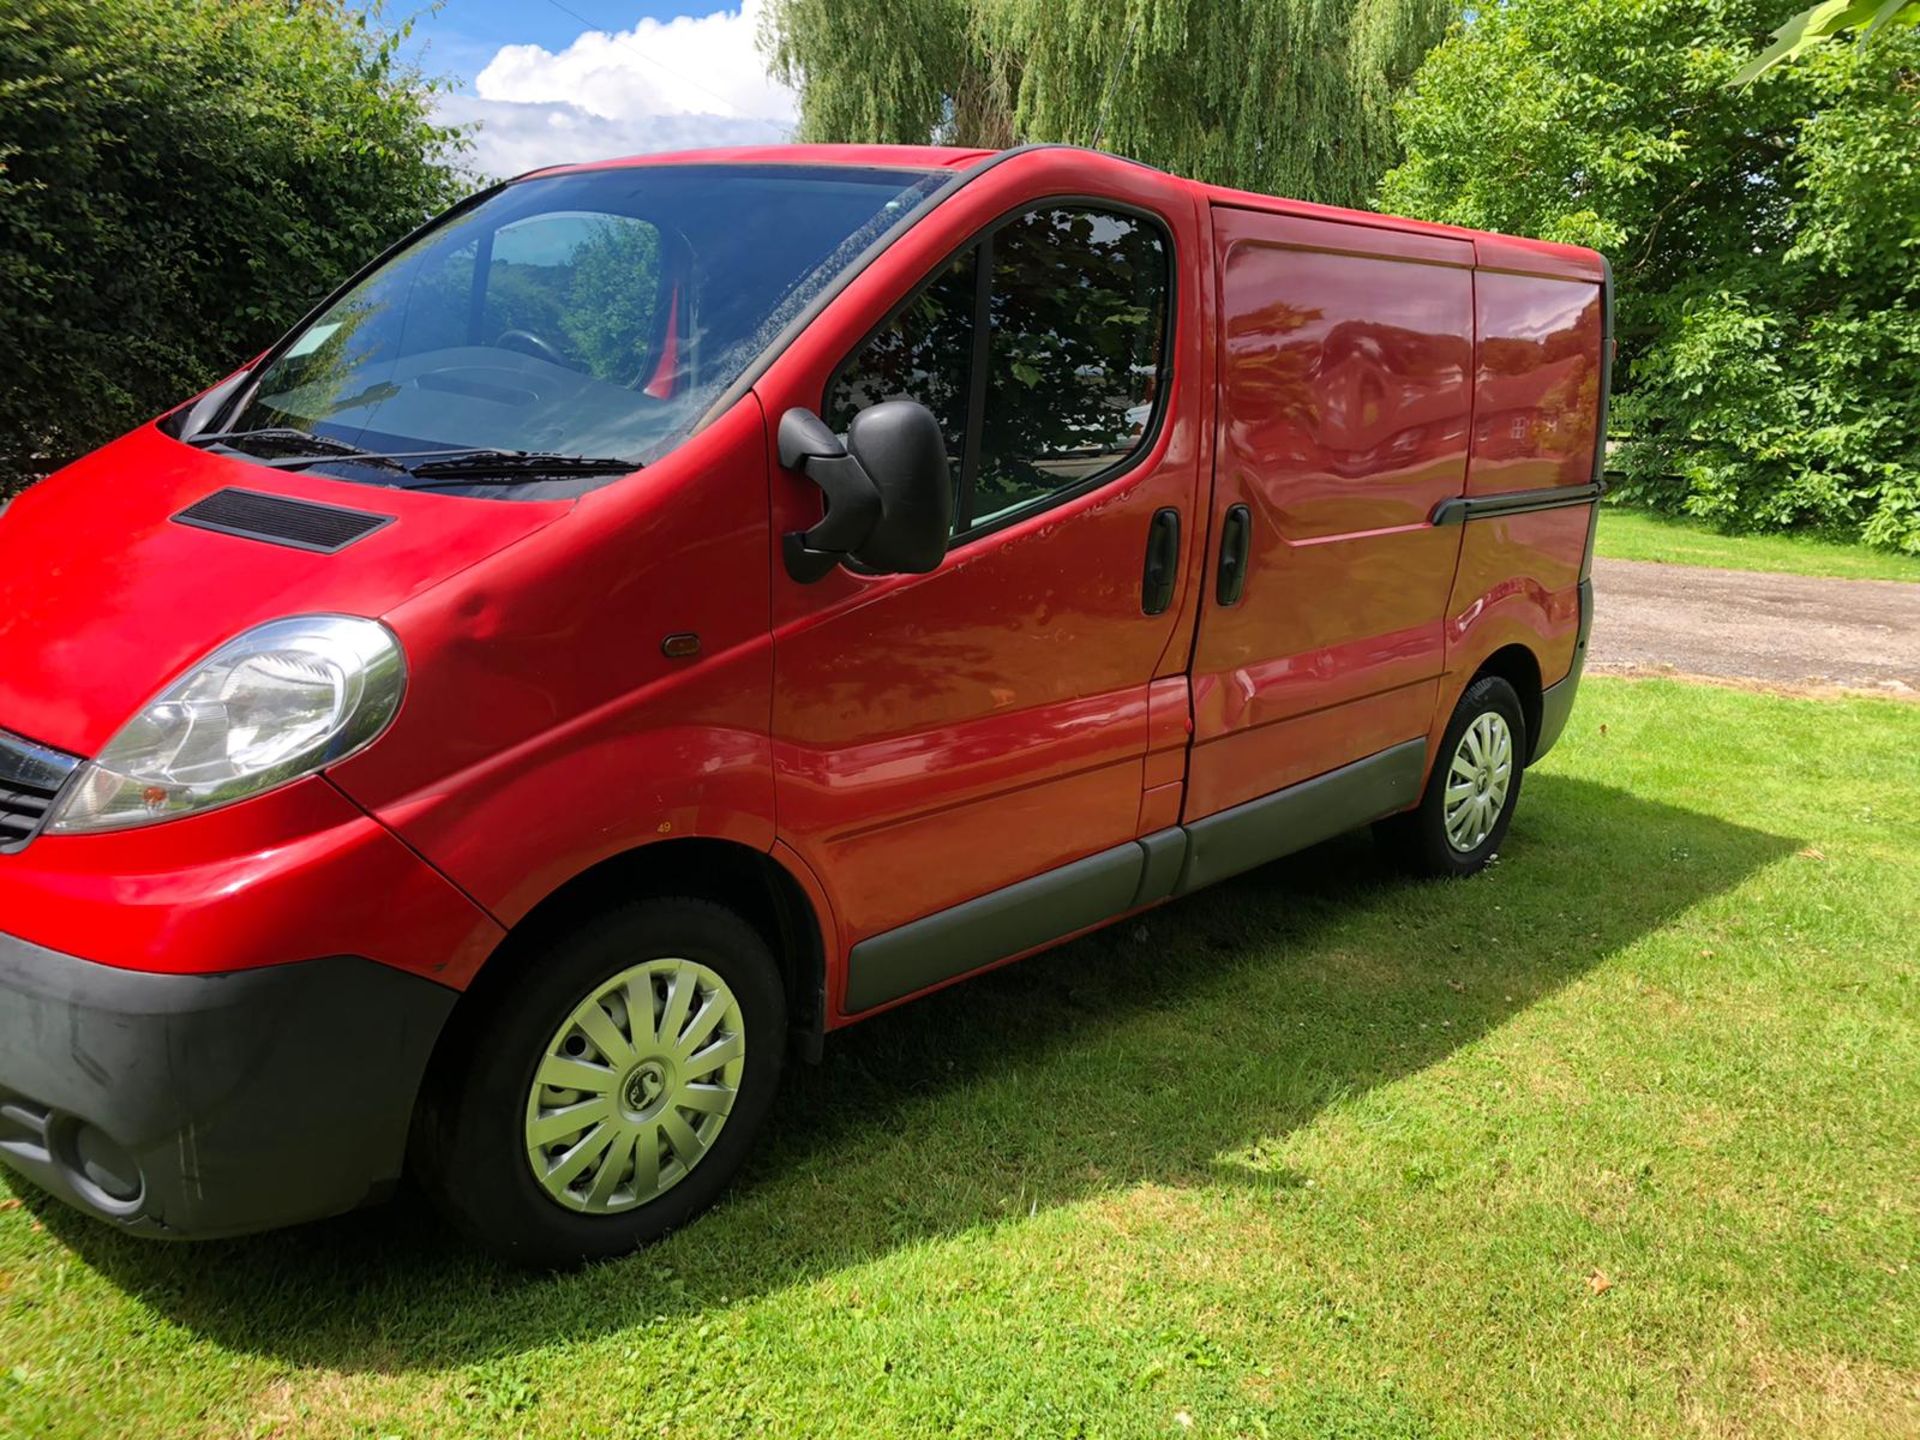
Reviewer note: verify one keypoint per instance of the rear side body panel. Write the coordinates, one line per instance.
(1542, 352)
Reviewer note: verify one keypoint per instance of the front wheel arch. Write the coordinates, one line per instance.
(737, 877)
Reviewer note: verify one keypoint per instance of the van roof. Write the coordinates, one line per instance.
(1492, 251)
(890, 157)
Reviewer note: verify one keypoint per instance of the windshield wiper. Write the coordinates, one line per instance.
(511, 467)
(446, 467)
(319, 447)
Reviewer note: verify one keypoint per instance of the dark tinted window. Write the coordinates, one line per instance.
(1078, 315)
(1078, 309)
(924, 353)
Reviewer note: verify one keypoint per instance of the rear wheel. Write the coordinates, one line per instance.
(1463, 816)
(612, 1092)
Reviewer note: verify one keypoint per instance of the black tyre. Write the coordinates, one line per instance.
(608, 1091)
(1463, 816)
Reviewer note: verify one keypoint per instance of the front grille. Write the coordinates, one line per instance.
(31, 777)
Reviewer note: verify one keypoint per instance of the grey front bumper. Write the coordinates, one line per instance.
(189, 1106)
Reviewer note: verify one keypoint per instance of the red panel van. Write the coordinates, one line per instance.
(664, 611)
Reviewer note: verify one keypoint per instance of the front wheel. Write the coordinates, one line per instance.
(611, 1093)
(1463, 816)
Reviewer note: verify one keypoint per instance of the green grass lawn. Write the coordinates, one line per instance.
(1622, 1138)
(1627, 534)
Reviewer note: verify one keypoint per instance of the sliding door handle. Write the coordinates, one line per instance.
(1235, 535)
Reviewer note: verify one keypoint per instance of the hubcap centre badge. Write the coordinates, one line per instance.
(645, 1086)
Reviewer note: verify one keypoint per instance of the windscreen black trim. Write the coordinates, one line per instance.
(243, 394)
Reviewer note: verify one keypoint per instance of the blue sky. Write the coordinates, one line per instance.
(462, 36)
(546, 81)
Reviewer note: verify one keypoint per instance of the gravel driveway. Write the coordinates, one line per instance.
(1787, 630)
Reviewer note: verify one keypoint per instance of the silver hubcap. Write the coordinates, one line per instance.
(1477, 781)
(635, 1086)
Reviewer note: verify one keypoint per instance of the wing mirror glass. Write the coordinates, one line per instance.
(888, 487)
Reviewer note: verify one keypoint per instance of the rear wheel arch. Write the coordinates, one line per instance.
(1519, 667)
(1473, 786)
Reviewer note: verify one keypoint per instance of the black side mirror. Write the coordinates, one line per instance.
(889, 491)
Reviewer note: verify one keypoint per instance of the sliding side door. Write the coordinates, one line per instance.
(1344, 415)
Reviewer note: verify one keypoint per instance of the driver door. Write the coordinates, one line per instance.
(943, 740)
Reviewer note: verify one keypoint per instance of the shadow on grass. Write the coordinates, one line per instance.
(1156, 1051)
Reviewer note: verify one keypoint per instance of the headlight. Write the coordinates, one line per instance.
(279, 702)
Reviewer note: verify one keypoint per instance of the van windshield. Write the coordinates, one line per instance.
(598, 314)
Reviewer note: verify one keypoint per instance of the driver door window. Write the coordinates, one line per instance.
(1062, 389)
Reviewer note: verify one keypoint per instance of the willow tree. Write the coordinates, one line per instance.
(1289, 96)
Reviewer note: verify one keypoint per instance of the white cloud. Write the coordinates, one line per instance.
(515, 136)
(663, 85)
(692, 65)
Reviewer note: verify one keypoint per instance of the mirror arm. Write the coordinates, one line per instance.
(853, 504)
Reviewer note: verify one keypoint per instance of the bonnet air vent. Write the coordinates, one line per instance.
(301, 524)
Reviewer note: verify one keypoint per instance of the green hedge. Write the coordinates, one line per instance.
(179, 181)
(1765, 239)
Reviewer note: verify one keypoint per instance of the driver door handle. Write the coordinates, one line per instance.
(1163, 562)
